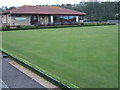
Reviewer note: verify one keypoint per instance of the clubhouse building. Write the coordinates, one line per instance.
(40, 16)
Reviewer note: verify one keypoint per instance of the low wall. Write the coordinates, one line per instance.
(114, 21)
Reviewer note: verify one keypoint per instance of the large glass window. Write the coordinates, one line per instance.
(57, 19)
(60, 19)
(64, 19)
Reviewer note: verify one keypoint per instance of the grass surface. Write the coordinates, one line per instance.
(85, 57)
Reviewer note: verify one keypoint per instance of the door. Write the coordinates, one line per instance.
(34, 20)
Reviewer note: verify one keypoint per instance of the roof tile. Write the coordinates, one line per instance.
(26, 9)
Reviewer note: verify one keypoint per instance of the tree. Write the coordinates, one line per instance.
(99, 11)
(12, 7)
(6, 8)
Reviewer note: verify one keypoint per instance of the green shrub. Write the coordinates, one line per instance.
(82, 24)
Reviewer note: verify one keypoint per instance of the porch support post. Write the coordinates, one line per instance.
(77, 19)
(38, 18)
(51, 19)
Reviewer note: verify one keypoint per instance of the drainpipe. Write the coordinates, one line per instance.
(38, 19)
(10, 19)
(6, 19)
(1, 18)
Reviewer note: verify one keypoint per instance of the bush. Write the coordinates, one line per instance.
(82, 24)
(18, 26)
(7, 27)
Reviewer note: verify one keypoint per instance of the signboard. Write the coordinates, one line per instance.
(20, 19)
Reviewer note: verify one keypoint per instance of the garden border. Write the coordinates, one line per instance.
(50, 27)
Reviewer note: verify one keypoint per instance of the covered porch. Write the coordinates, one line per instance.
(48, 20)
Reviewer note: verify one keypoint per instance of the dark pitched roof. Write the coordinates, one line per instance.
(43, 10)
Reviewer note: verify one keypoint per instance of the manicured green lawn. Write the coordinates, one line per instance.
(85, 57)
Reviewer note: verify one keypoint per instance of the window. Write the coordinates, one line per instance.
(64, 19)
(20, 19)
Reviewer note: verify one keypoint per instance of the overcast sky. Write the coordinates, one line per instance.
(17, 3)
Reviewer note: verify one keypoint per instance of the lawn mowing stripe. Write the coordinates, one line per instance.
(86, 57)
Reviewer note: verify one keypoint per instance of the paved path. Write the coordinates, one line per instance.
(14, 78)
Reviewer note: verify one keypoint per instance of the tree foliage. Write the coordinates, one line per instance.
(99, 11)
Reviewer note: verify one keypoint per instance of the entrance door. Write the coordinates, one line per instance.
(34, 20)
